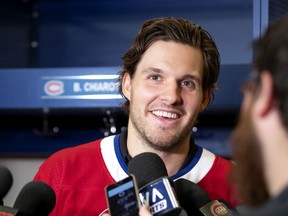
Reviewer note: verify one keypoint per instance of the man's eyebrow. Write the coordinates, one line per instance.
(186, 76)
(152, 69)
(193, 77)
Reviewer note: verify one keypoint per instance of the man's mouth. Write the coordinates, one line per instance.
(165, 114)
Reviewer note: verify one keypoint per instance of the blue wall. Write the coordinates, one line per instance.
(80, 36)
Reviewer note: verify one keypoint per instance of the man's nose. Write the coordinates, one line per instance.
(171, 93)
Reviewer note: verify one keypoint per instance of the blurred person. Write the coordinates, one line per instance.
(261, 137)
(168, 77)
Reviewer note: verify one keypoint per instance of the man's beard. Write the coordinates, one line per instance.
(160, 140)
(249, 169)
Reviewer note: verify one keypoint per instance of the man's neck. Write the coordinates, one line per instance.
(174, 160)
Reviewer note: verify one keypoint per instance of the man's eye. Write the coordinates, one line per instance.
(154, 77)
(189, 84)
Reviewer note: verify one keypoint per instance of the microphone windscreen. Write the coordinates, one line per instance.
(191, 196)
(147, 167)
(36, 198)
(6, 181)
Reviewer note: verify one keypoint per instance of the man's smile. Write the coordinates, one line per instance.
(165, 114)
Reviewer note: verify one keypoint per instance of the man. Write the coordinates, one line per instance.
(261, 137)
(169, 75)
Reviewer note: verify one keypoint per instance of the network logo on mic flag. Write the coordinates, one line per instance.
(216, 208)
(161, 196)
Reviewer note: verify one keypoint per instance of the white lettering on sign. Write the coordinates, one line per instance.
(76, 87)
(100, 86)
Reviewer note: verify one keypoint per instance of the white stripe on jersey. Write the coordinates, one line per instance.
(111, 160)
(198, 172)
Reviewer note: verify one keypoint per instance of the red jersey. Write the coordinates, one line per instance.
(78, 175)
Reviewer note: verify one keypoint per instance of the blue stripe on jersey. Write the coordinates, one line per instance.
(118, 153)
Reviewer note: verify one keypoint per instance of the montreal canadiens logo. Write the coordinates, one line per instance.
(54, 87)
(218, 209)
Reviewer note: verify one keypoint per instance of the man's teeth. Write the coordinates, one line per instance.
(165, 114)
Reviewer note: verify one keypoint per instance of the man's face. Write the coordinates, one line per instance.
(249, 172)
(166, 94)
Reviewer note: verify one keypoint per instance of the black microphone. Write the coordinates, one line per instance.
(35, 199)
(6, 181)
(196, 201)
(152, 179)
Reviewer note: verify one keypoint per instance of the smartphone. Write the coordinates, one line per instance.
(123, 197)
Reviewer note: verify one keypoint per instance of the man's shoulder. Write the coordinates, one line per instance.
(85, 150)
(75, 158)
(223, 161)
(79, 148)
(218, 160)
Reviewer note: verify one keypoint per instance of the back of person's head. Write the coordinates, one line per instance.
(176, 30)
(271, 54)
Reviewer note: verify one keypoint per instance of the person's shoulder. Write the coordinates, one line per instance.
(77, 150)
(224, 160)
(218, 158)
(58, 164)
(218, 162)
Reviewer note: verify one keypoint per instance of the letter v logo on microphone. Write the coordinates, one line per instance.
(156, 193)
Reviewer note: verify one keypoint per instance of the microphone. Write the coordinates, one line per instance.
(6, 180)
(196, 201)
(35, 199)
(152, 180)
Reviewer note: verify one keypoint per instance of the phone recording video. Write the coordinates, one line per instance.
(122, 197)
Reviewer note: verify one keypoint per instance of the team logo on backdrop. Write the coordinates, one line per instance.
(54, 87)
(81, 87)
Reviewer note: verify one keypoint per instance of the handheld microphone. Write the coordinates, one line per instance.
(6, 180)
(152, 179)
(197, 202)
(35, 199)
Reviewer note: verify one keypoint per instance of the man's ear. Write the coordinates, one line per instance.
(265, 99)
(207, 94)
(126, 86)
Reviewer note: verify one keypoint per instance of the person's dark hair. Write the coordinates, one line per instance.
(271, 54)
(177, 30)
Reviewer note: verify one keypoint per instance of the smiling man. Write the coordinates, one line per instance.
(169, 75)
(168, 78)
